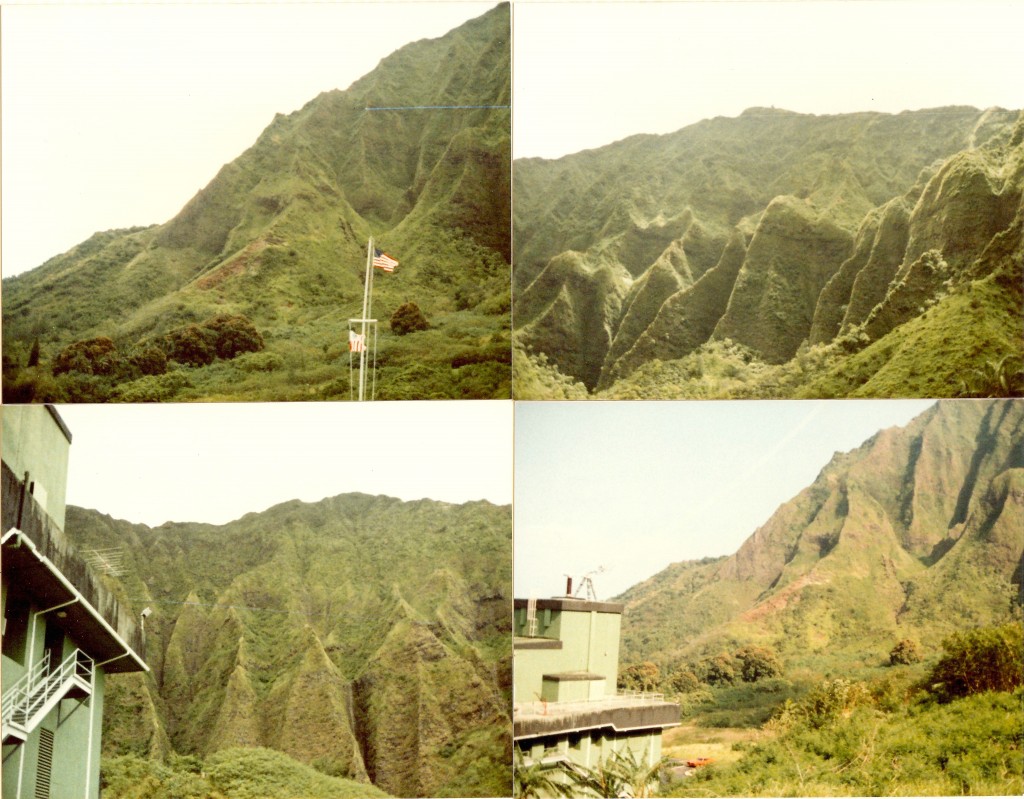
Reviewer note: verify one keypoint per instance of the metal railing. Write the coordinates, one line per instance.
(15, 695)
(39, 686)
(623, 699)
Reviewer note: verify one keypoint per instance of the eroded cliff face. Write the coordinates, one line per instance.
(363, 635)
(839, 237)
(917, 532)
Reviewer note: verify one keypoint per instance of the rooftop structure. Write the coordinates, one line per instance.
(567, 709)
(63, 632)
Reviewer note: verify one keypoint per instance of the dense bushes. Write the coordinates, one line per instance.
(408, 318)
(94, 356)
(228, 774)
(757, 663)
(985, 659)
(644, 676)
(191, 345)
(223, 337)
(905, 653)
(749, 663)
(234, 336)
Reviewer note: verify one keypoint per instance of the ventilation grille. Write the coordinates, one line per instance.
(45, 764)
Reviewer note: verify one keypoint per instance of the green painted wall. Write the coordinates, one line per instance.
(76, 761)
(34, 442)
(590, 642)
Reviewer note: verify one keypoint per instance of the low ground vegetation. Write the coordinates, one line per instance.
(228, 774)
(948, 725)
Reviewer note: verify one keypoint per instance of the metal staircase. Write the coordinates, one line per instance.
(31, 698)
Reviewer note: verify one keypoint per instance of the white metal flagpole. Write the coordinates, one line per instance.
(366, 315)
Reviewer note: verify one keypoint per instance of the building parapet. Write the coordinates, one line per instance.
(622, 713)
(46, 562)
(572, 604)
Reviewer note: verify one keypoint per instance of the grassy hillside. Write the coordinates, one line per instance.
(364, 636)
(279, 237)
(866, 639)
(802, 241)
(881, 547)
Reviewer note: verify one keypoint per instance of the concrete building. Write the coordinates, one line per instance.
(566, 705)
(62, 631)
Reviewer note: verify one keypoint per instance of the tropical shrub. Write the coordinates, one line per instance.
(757, 663)
(150, 361)
(94, 356)
(192, 345)
(408, 318)
(640, 677)
(905, 653)
(985, 659)
(234, 335)
(718, 670)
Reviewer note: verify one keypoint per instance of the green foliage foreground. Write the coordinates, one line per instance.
(948, 735)
(229, 774)
(973, 745)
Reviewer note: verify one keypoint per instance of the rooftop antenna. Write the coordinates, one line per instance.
(107, 561)
(587, 582)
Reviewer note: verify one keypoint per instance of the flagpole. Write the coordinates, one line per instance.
(366, 315)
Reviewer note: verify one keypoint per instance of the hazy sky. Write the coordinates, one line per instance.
(115, 115)
(590, 73)
(635, 486)
(216, 462)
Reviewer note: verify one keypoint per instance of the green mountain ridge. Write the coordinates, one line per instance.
(279, 235)
(789, 232)
(366, 636)
(915, 534)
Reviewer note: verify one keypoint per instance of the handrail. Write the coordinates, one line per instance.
(25, 685)
(623, 699)
(24, 701)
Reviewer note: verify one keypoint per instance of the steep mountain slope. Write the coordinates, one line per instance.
(366, 636)
(785, 231)
(280, 234)
(917, 533)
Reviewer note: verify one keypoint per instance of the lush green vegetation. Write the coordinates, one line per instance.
(753, 268)
(279, 238)
(898, 734)
(228, 774)
(620, 774)
(327, 632)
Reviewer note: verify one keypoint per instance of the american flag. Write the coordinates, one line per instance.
(382, 260)
(356, 342)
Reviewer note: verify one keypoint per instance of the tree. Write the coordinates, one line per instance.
(150, 361)
(905, 653)
(757, 663)
(192, 345)
(619, 774)
(682, 680)
(718, 670)
(985, 659)
(234, 335)
(640, 677)
(408, 318)
(534, 780)
(94, 356)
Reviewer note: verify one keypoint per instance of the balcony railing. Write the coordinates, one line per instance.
(622, 699)
(28, 701)
(51, 542)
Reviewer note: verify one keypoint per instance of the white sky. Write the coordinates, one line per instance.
(589, 73)
(635, 486)
(216, 462)
(115, 115)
